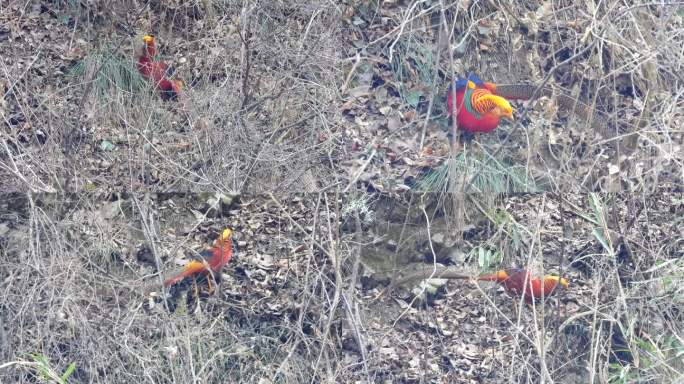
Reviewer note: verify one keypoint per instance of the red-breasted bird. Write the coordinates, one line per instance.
(480, 105)
(518, 280)
(157, 71)
(210, 261)
(514, 280)
(478, 108)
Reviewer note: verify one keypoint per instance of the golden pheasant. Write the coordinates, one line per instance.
(514, 280)
(518, 282)
(481, 105)
(157, 71)
(210, 261)
(478, 108)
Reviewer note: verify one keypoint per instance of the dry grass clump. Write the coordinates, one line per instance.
(258, 109)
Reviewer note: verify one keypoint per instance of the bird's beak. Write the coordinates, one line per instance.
(508, 115)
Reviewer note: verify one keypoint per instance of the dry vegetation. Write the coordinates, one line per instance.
(259, 110)
(607, 114)
(105, 187)
(306, 296)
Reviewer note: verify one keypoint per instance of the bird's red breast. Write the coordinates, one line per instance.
(478, 109)
(222, 251)
(156, 71)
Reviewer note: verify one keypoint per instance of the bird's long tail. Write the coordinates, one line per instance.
(498, 277)
(488, 278)
(438, 272)
(189, 269)
(513, 91)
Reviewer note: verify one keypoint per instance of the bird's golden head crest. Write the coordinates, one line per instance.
(502, 107)
(559, 280)
(227, 233)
